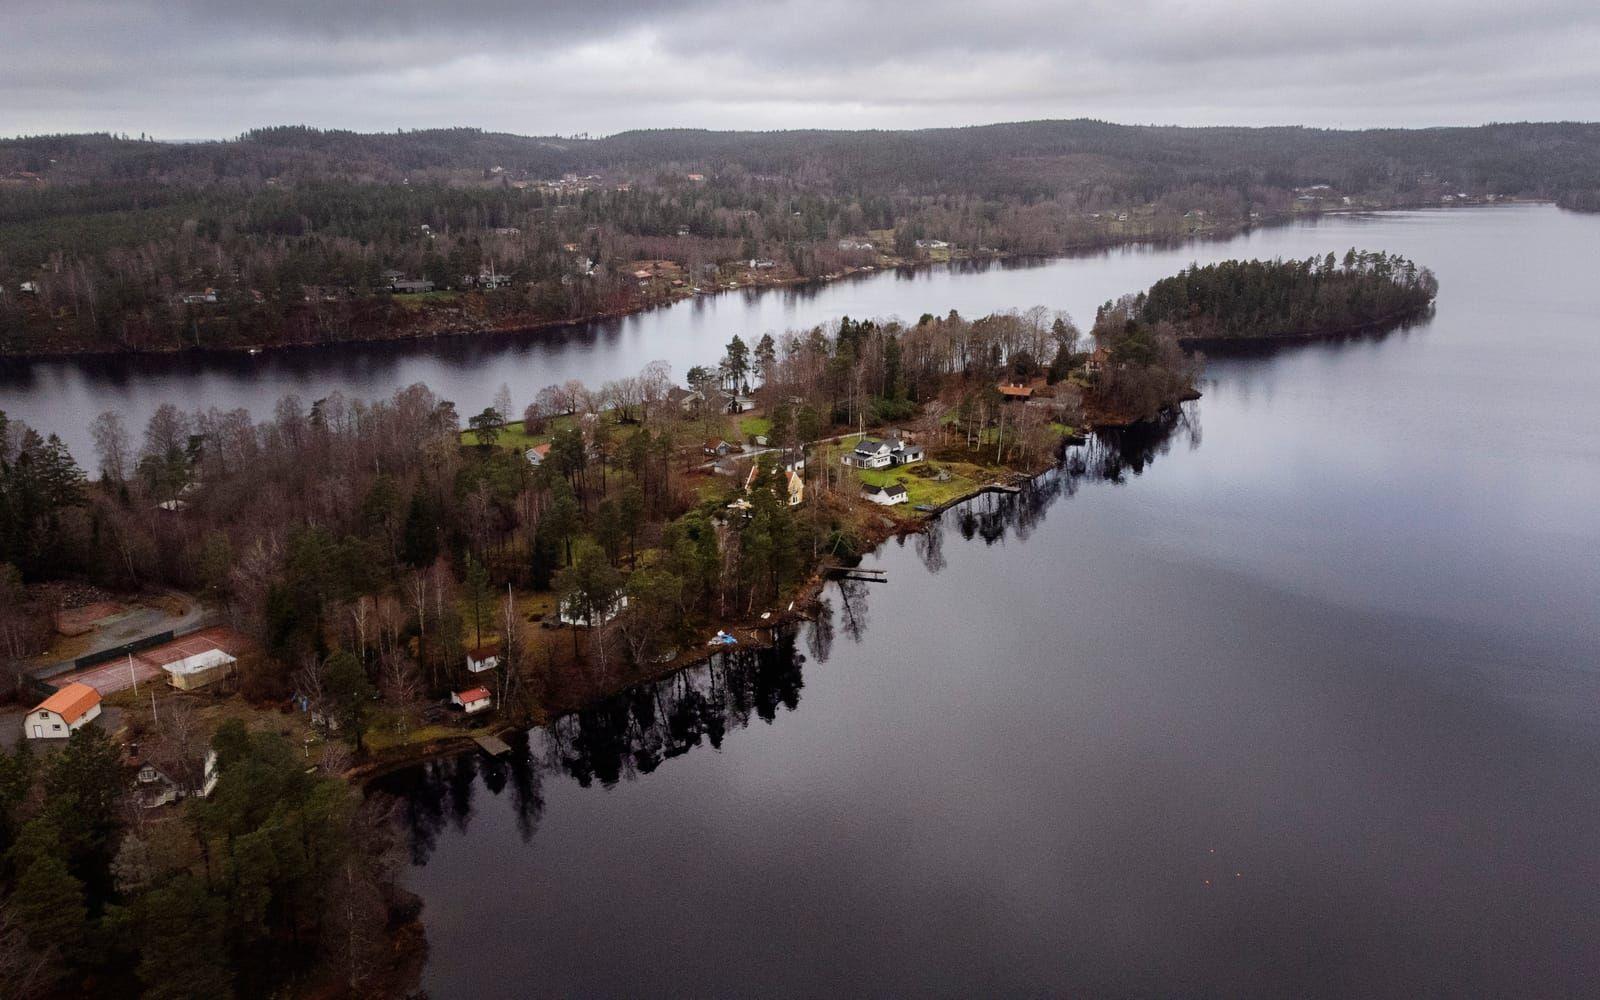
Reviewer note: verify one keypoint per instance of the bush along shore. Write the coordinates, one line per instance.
(388, 565)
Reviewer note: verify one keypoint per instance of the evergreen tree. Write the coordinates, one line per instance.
(183, 953)
(419, 545)
(352, 695)
(48, 902)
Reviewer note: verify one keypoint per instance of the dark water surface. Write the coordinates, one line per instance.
(1299, 697)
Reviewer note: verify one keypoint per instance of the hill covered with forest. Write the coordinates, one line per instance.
(294, 235)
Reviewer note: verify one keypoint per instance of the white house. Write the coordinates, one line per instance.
(156, 785)
(483, 658)
(471, 702)
(537, 454)
(886, 496)
(870, 453)
(63, 713)
(904, 453)
(573, 613)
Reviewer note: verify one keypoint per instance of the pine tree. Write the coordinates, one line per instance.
(49, 904)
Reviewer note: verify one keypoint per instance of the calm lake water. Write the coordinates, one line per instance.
(1297, 697)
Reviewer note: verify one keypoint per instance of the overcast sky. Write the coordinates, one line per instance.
(212, 68)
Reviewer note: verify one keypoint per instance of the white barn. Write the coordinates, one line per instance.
(63, 713)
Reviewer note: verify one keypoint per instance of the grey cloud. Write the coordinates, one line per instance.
(215, 67)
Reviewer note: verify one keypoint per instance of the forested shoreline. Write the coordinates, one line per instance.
(370, 551)
(1255, 300)
(293, 236)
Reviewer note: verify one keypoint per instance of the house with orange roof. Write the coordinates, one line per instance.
(471, 702)
(63, 713)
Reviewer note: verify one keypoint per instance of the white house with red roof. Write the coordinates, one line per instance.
(63, 713)
(471, 702)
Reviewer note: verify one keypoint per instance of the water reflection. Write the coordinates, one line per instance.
(635, 732)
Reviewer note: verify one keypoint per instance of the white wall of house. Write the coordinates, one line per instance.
(47, 725)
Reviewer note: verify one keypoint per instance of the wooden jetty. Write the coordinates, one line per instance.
(865, 575)
(494, 746)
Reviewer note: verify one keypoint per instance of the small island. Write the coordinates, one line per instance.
(1267, 300)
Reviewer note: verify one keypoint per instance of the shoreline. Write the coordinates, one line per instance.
(752, 635)
(855, 273)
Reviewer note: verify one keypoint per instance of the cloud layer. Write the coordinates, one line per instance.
(208, 68)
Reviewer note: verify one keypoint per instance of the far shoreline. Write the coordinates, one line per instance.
(1068, 252)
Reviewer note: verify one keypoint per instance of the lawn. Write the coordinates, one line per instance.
(921, 478)
(752, 426)
(513, 436)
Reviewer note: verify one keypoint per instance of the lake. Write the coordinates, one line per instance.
(1299, 695)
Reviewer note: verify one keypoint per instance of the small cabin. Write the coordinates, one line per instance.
(482, 658)
(200, 669)
(472, 701)
(63, 713)
(574, 613)
(886, 496)
(537, 454)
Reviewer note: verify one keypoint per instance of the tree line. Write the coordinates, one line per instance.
(1257, 299)
(118, 240)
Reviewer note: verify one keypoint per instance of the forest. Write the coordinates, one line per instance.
(1258, 300)
(299, 236)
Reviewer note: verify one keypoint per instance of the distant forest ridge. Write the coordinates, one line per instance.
(295, 235)
(1016, 159)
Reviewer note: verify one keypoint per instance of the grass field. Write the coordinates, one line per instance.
(512, 435)
(751, 426)
(921, 479)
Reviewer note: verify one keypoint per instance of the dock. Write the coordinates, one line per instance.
(494, 746)
(865, 575)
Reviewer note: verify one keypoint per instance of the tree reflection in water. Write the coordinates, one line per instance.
(636, 731)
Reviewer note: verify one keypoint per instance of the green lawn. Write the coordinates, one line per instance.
(752, 426)
(919, 479)
(512, 434)
(928, 490)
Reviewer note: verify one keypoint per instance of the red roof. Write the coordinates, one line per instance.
(476, 694)
(542, 450)
(1023, 391)
(71, 702)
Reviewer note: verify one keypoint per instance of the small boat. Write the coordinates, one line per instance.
(253, 350)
